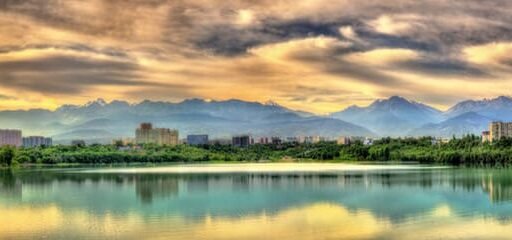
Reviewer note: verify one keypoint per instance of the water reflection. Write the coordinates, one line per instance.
(389, 204)
(148, 187)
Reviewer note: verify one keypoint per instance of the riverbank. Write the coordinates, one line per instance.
(469, 151)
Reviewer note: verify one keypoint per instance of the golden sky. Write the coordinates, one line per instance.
(314, 55)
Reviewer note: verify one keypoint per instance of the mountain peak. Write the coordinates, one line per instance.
(97, 102)
(193, 101)
(397, 99)
(392, 102)
(496, 108)
(272, 103)
(503, 99)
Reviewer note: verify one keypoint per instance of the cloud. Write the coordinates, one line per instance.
(383, 57)
(7, 97)
(392, 25)
(67, 51)
(489, 54)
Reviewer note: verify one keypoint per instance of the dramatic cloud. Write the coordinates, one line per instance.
(314, 55)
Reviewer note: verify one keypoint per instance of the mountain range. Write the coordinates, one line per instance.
(101, 121)
(397, 116)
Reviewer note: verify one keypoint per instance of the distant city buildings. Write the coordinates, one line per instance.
(220, 141)
(344, 140)
(292, 140)
(146, 134)
(264, 140)
(10, 137)
(498, 130)
(276, 140)
(242, 141)
(197, 139)
(37, 141)
(312, 139)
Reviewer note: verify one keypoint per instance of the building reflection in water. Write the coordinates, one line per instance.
(498, 186)
(148, 187)
(10, 187)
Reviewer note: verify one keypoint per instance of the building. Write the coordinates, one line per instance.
(344, 140)
(10, 137)
(146, 134)
(498, 130)
(36, 141)
(197, 140)
(293, 140)
(220, 141)
(312, 139)
(264, 140)
(276, 141)
(242, 141)
(486, 136)
(368, 141)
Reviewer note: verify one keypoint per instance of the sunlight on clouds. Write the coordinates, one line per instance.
(382, 57)
(492, 53)
(392, 24)
(245, 17)
(281, 52)
(259, 50)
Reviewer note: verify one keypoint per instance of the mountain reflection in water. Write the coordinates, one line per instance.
(384, 204)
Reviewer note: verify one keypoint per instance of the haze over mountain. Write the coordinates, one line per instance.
(470, 117)
(100, 121)
(390, 116)
(398, 116)
(499, 108)
(466, 123)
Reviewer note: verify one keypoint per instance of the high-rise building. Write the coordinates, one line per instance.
(312, 139)
(264, 140)
(344, 140)
(10, 137)
(292, 140)
(162, 136)
(276, 140)
(36, 141)
(242, 141)
(220, 141)
(196, 140)
(498, 130)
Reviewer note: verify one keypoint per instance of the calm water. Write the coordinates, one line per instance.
(263, 201)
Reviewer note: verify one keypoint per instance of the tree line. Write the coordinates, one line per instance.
(468, 150)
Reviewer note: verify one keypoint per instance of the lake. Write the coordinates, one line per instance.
(257, 201)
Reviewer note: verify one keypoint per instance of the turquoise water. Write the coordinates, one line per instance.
(257, 201)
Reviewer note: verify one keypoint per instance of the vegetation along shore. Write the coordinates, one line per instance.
(468, 150)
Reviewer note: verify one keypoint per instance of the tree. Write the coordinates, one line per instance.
(6, 155)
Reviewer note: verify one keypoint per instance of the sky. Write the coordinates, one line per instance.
(314, 55)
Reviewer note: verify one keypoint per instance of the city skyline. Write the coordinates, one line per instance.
(316, 56)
